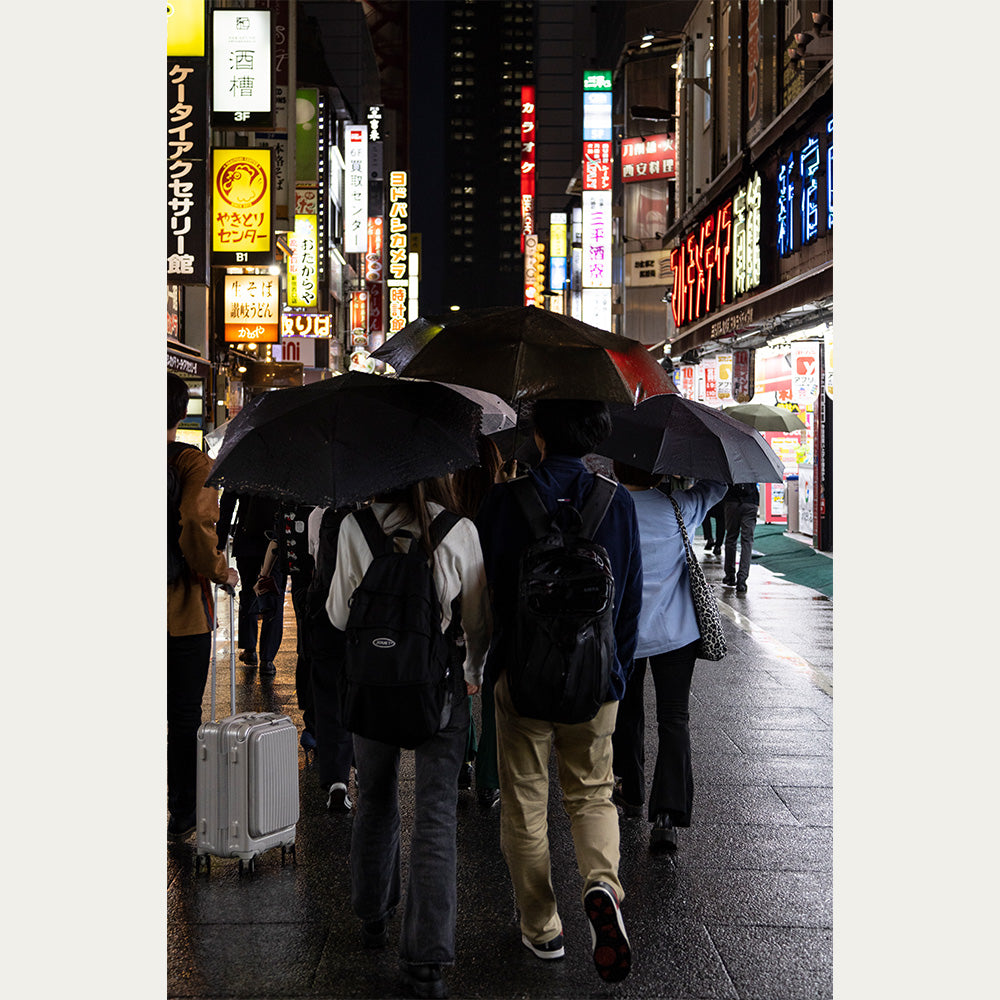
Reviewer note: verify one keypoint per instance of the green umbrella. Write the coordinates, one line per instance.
(763, 417)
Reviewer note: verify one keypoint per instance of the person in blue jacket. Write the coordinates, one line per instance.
(668, 639)
(565, 431)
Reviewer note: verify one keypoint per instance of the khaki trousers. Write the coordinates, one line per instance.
(583, 751)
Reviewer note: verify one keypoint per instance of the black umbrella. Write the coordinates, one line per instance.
(345, 439)
(678, 436)
(525, 353)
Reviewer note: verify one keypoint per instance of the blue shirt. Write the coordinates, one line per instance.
(667, 620)
(504, 532)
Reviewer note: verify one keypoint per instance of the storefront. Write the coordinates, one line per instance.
(197, 373)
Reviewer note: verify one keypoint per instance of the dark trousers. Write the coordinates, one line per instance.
(187, 672)
(272, 626)
(741, 520)
(427, 933)
(334, 744)
(303, 671)
(672, 790)
(486, 752)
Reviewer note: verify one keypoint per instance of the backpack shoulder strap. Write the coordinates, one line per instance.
(526, 494)
(378, 541)
(441, 525)
(596, 505)
(174, 448)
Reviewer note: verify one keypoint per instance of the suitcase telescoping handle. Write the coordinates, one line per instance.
(231, 591)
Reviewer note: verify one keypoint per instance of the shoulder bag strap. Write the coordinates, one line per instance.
(596, 506)
(684, 534)
(526, 494)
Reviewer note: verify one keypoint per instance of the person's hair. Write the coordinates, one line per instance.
(471, 485)
(441, 490)
(629, 475)
(415, 497)
(572, 427)
(177, 399)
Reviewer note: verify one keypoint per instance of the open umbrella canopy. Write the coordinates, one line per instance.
(763, 417)
(345, 439)
(497, 415)
(678, 436)
(525, 353)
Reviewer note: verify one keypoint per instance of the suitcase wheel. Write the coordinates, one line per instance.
(251, 866)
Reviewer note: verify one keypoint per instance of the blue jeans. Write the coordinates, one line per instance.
(428, 929)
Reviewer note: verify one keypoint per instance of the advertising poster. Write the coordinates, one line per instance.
(252, 314)
(744, 366)
(805, 372)
(724, 380)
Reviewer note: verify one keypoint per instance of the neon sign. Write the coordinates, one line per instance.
(746, 235)
(701, 267)
(805, 193)
(527, 162)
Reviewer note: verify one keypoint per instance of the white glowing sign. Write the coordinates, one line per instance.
(356, 189)
(597, 239)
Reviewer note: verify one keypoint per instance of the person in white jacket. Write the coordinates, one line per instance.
(427, 933)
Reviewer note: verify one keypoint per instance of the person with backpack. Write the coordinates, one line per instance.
(194, 563)
(408, 578)
(561, 548)
(668, 644)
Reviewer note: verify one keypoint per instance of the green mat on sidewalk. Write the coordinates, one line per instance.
(794, 560)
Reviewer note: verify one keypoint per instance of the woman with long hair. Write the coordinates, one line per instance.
(427, 933)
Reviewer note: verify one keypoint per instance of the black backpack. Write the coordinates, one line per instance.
(564, 642)
(176, 563)
(399, 668)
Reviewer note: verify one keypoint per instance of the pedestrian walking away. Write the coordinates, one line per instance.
(741, 502)
(427, 932)
(714, 540)
(565, 431)
(667, 643)
(194, 564)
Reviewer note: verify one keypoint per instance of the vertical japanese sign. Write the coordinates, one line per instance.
(746, 236)
(187, 171)
(356, 189)
(828, 357)
(805, 372)
(597, 198)
(303, 286)
(743, 375)
(724, 382)
(804, 204)
(242, 69)
(251, 309)
(530, 261)
(710, 380)
(527, 162)
(557, 251)
(373, 278)
(241, 206)
(687, 381)
(399, 229)
(186, 28)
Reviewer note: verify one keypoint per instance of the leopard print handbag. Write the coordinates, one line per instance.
(712, 645)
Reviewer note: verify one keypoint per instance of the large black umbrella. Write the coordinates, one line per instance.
(344, 439)
(525, 353)
(678, 436)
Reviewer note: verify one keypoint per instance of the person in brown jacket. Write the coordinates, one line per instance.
(190, 613)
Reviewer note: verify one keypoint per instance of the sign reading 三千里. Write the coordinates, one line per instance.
(648, 158)
(805, 191)
(399, 228)
(187, 171)
(242, 69)
(241, 206)
(356, 189)
(251, 311)
(303, 287)
(718, 259)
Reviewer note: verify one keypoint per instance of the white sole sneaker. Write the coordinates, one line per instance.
(612, 952)
(551, 949)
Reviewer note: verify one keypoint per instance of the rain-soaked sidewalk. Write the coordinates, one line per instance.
(743, 910)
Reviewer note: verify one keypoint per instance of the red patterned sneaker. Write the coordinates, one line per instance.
(612, 954)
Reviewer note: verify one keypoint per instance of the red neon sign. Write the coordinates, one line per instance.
(596, 166)
(527, 162)
(701, 267)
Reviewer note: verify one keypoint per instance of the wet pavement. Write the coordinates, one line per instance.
(742, 911)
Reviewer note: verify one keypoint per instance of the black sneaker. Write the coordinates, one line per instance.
(424, 980)
(268, 669)
(629, 809)
(741, 588)
(337, 799)
(249, 657)
(465, 775)
(374, 933)
(180, 828)
(728, 581)
(612, 952)
(663, 834)
(551, 949)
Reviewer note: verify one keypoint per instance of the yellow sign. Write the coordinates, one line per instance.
(186, 28)
(303, 264)
(241, 200)
(251, 309)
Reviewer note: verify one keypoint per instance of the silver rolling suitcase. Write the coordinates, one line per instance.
(247, 780)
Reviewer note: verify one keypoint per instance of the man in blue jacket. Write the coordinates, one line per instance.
(565, 431)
